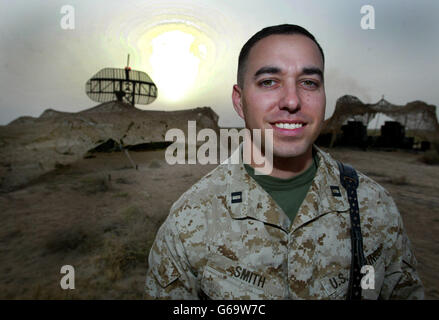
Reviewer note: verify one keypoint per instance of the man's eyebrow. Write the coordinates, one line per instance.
(274, 70)
(313, 70)
(267, 69)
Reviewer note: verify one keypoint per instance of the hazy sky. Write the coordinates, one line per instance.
(190, 49)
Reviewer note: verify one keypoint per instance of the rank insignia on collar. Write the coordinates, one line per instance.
(236, 197)
(335, 191)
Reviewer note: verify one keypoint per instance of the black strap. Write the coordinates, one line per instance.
(349, 180)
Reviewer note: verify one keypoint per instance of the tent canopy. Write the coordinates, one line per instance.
(417, 116)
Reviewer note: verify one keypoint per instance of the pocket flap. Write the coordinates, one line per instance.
(165, 272)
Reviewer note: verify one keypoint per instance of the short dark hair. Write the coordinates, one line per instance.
(289, 29)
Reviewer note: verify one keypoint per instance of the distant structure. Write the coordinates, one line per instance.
(116, 84)
(348, 124)
(31, 147)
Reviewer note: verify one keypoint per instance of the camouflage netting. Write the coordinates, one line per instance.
(417, 117)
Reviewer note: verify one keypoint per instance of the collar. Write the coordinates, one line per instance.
(247, 199)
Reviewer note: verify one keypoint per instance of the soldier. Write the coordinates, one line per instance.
(291, 234)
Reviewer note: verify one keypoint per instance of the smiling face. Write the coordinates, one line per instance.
(283, 90)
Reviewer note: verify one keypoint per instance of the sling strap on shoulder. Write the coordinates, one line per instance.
(349, 180)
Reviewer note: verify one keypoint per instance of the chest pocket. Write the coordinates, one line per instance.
(224, 278)
(336, 283)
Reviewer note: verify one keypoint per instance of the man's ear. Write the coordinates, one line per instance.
(237, 100)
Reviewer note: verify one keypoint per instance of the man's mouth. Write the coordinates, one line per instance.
(292, 125)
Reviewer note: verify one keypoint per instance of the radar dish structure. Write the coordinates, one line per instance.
(131, 86)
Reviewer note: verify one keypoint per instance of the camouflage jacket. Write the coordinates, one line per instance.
(226, 238)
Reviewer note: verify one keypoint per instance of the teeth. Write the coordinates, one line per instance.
(289, 125)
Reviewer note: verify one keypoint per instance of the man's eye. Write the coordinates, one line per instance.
(267, 83)
(310, 84)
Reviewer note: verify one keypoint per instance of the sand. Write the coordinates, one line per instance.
(100, 215)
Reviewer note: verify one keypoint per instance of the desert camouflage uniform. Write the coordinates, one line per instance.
(226, 238)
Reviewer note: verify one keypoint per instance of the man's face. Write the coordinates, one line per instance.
(283, 90)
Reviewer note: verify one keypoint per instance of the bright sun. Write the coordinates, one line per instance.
(175, 66)
(179, 55)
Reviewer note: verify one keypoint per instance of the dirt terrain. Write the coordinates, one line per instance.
(100, 216)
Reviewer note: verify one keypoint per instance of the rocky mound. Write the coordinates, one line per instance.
(31, 146)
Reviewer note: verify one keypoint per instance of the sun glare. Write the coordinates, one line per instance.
(174, 65)
(179, 55)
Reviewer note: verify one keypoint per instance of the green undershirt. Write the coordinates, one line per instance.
(288, 193)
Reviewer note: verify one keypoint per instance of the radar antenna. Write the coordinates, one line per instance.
(131, 86)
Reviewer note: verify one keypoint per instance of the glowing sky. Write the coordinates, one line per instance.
(190, 49)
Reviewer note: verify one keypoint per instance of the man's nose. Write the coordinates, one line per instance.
(290, 99)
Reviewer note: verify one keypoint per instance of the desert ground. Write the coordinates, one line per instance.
(100, 215)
